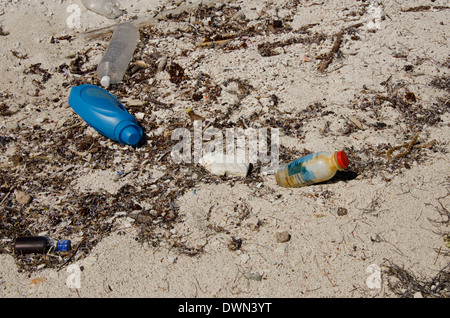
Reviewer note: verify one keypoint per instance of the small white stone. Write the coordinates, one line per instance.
(282, 237)
(418, 295)
(244, 258)
(22, 197)
(171, 259)
(139, 116)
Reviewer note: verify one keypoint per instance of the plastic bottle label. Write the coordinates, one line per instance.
(298, 167)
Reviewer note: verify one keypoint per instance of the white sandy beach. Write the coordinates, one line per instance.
(382, 215)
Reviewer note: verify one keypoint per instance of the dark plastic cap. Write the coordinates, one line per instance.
(63, 246)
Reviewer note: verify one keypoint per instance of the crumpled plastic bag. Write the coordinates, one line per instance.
(107, 8)
(225, 165)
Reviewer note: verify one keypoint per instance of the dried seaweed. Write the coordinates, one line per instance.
(407, 284)
(410, 111)
(425, 8)
(444, 219)
(442, 82)
(176, 73)
(409, 145)
(268, 48)
(417, 9)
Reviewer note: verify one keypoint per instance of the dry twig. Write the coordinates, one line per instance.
(329, 58)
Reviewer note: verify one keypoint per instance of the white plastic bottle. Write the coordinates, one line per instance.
(314, 168)
(118, 54)
(107, 8)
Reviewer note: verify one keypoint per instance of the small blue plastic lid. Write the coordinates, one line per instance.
(63, 245)
(128, 133)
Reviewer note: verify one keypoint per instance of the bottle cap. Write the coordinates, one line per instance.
(130, 134)
(105, 81)
(342, 159)
(63, 245)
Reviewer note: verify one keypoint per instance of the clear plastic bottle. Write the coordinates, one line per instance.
(40, 244)
(118, 54)
(314, 168)
(107, 8)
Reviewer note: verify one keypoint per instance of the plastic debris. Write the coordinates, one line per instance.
(74, 279)
(118, 54)
(40, 244)
(314, 168)
(107, 8)
(225, 165)
(102, 111)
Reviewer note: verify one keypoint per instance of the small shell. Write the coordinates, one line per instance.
(141, 64)
(356, 122)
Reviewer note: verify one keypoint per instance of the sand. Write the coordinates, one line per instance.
(336, 230)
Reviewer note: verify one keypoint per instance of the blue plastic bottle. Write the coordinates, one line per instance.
(103, 112)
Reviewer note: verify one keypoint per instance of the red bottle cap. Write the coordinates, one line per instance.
(342, 159)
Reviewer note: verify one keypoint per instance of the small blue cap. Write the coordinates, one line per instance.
(63, 245)
(128, 133)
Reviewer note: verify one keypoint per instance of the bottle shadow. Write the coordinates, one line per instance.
(143, 142)
(342, 176)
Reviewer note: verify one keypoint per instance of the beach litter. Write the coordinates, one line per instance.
(40, 244)
(118, 54)
(102, 111)
(107, 8)
(314, 168)
(166, 95)
(226, 165)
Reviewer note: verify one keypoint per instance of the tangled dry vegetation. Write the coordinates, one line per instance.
(47, 162)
